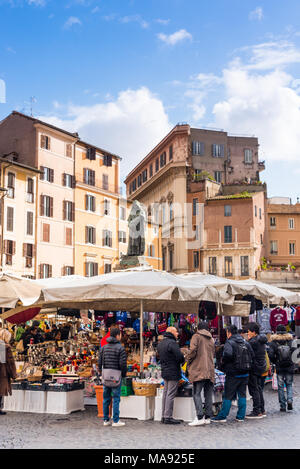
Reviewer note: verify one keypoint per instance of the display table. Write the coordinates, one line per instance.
(64, 402)
(184, 408)
(137, 407)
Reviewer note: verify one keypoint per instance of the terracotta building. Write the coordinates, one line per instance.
(283, 228)
(166, 182)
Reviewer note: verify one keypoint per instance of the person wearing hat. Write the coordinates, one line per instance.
(280, 351)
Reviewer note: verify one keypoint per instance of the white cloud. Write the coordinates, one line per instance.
(95, 10)
(176, 37)
(135, 18)
(129, 126)
(71, 21)
(39, 3)
(163, 22)
(271, 55)
(256, 14)
(205, 80)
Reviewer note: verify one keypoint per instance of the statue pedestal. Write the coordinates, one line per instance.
(128, 262)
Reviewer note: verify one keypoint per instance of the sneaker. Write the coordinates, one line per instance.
(106, 423)
(171, 421)
(282, 409)
(118, 424)
(207, 420)
(289, 406)
(264, 414)
(218, 420)
(239, 420)
(197, 422)
(254, 416)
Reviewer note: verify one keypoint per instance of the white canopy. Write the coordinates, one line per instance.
(14, 289)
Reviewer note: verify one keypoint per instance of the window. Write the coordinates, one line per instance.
(28, 253)
(273, 221)
(10, 219)
(67, 270)
(195, 207)
(227, 210)
(196, 259)
(227, 234)
(163, 214)
(9, 250)
(45, 142)
(122, 236)
(248, 155)
(171, 211)
(107, 160)
(170, 152)
(45, 270)
(151, 170)
(105, 182)
(134, 185)
(11, 185)
(30, 191)
(260, 213)
(91, 153)
(107, 238)
(151, 250)
(217, 150)
(292, 248)
(89, 176)
(228, 266)
(212, 265)
(91, 269)
(69, 150)
(244, 266)
(218, 176)
(196, 229)
(164, 252)
(139, 180)
(90, 235)
(156, 165)
(171, 252)
(145, 175)
(29, 224)
(198, 148)
(46, 233)
(291, 223)
(122, 213)
(255, 210)
(107, 268)
(68, 180)
(90, 203)
(69, 232)
(273, 247)
(106, 203)
(261, 239)
(163, 159)
(47, 175)
(68, 210)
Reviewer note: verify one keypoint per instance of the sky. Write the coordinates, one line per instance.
(122, 73)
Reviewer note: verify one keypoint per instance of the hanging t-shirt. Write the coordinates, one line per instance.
(121, 316)
(136, 325)
(236, 321)
(263, 319)
(278, 317)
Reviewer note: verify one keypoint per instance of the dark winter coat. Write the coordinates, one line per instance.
(7, 371)
(113, 356)
(275, 341)
(258, 345)
(170, 358)
(229, 355)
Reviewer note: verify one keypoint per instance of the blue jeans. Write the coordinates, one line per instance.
(285, 379)
(115, 395)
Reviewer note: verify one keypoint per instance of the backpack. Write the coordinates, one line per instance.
(284, 355)
(242, 357)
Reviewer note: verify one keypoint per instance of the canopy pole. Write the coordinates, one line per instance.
(141, 337)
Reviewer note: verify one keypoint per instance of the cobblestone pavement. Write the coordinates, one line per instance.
(85, 430)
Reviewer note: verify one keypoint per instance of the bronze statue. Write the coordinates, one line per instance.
(136, 224)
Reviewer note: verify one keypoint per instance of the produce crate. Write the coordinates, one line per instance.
(126, 391)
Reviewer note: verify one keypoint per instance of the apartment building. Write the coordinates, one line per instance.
(18, 217)
(163, 182)
(283, 229)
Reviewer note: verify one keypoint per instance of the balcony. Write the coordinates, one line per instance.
(99, 184)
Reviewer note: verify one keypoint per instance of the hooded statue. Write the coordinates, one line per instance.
(136, 224)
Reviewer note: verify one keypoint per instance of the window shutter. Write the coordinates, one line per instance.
(95, 269)
(51, 206)
(86, 202)
(73, 182)
(43, 141)
(24, 249)
(194, 148)
(69, 236)
(85, 178)
(50, 270)
(40, 270)
(5, 246)
(213, 149)
(13, 247)
(33, 250)
(51, 175)
(73, 211)
(42, 175)
(202, 149)
(64, 209)
(92, 178)
(42, 205)
(64, 179)
(86, 234)
(93, 204)
(222, 151)
(86, 270)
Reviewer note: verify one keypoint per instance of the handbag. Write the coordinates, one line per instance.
(111, 378)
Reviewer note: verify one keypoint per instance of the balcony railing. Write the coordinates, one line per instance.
(99, 184)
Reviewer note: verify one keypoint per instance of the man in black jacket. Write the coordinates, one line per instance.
(258, 345)
(170, 358)
(237, 362)
(281, 351)
(113, 356)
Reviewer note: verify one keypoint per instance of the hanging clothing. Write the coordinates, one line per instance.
(278, 317)
(263, 319)
(236, 321)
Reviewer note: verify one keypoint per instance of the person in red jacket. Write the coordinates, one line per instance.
(104, 339)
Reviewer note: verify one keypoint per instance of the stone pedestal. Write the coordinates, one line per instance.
(128, 262)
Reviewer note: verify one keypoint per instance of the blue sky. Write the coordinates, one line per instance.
(123, 72)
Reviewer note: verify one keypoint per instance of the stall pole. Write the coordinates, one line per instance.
(141, 337)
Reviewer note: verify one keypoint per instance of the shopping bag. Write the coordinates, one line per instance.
(274, 382)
